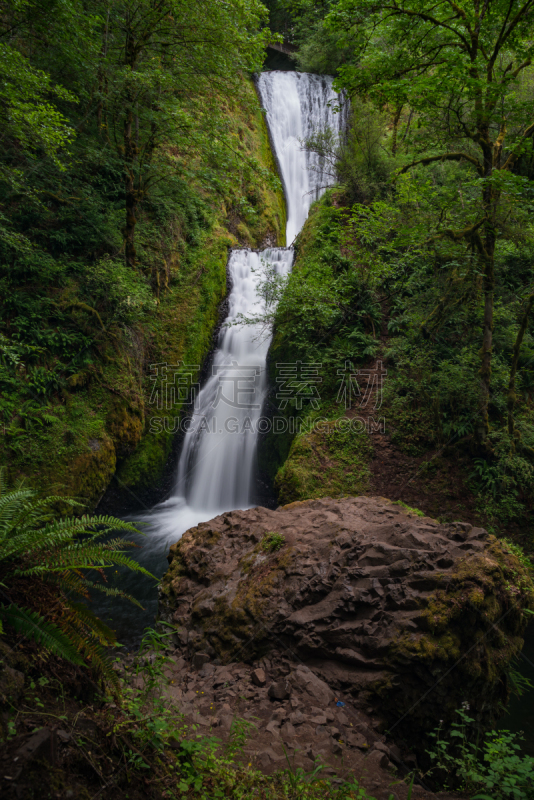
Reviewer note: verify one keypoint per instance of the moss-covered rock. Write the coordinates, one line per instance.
(331, 460)
(91, 472)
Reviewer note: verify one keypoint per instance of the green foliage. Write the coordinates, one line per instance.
(35, 627)
(78, 327)
(38, 544)
(364, 166)
(330, 460)
(493, 766)
(272, 541)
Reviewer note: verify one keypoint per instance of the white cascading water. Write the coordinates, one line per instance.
(216, 468)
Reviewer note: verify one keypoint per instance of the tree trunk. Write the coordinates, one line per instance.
(487, 345)
(396, 120)
(130, 192)
(489, 200)
(130, 156)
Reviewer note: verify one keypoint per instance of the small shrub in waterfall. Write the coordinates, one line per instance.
(272, 541)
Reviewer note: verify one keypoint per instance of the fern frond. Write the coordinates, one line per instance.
(40, 630)
(91, 558)
(73, 582)
(105, 635)
(63, 551)
(93, 652)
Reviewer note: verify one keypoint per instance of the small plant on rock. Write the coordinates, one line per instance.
(272, 542)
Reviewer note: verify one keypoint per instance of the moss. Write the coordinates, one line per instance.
(188, 311)
(245, 235)
(125, 427)
(469, 633)
(91, 472)
(329, 461)
(416, 512)
(228, 624)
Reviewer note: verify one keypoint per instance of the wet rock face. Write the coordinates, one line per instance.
(410, 617)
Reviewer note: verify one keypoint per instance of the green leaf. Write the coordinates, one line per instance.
(40, 630)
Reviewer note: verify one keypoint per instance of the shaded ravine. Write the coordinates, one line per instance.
(216, 470)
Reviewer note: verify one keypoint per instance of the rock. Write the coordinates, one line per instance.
(258, 677)
(11, 684)
(42, 745)
(378, 758)
(297, 718)
(223, 677)
(266, 758)
(356, 740)
(199, 659)
(226, 721)
(336, 748)
(380, 601)
(382, 747)
(395, 752)
(315, 754)
(342, 717)
(287, 731)
(318, 690)
(279, 714)
(279, 690)
(273, 727)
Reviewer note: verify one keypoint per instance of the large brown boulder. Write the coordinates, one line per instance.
(409, 616)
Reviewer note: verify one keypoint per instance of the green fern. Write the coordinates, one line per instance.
(43, 632)
(36, 543)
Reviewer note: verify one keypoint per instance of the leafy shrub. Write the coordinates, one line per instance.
(495, 767)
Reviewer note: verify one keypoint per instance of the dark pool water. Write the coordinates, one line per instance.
(126, 619)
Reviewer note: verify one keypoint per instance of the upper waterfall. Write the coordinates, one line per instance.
(298, 105)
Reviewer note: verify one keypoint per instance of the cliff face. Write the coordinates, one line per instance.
(410, 617)
(102, 421)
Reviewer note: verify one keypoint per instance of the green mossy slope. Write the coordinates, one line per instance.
(317, 455)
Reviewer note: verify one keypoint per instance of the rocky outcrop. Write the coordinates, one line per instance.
(407, 616)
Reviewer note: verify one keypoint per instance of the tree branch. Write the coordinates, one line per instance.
(445, 157)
